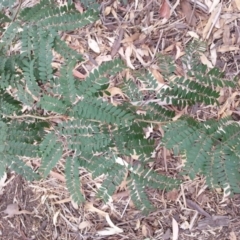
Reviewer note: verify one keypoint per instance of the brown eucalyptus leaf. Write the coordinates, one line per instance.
(164, 10)
(188, 11)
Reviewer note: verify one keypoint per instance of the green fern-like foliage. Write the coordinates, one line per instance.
(94, 134)
(90, 132)
(17, 142)
(72, 179)
(198, 85)
(210, 148)
(90, 4)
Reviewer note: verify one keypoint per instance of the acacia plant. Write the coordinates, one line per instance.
(91, 132)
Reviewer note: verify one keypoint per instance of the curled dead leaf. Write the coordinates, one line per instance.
(128, 54)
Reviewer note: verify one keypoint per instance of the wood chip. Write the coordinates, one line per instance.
(117, 43)
(213, 222)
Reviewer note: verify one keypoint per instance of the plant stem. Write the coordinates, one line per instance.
(17, 11)
(36, 117)
(150, 121)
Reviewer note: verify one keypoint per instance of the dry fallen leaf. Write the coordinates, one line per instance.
(146, 230)
(131, 38)
(232, 235)
(213, 54)
(185, 225)
(188, 11)
(138, 53)
(218, 34)
(114, 91)
(78, 6)
(164, 10)
(128, 54)
(238, 4)
(93, 45)
(13, 209)
(157, 75)
(74, 204)
(224, 48)
(226, 35)
(107, 10)
(175, 229)
(193, 34)
(213, 5)
(113, 229)
(227, 104)
(105, 58)
(77, 74)
(205, 61)
(179, 53)
(84, 224)
(172, 195)
(212, 22)
(55, 217)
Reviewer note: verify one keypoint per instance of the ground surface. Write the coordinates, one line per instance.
(136, 31)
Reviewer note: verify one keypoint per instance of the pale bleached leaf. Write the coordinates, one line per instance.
(175, 229)
(93, 45)
(128, 53)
